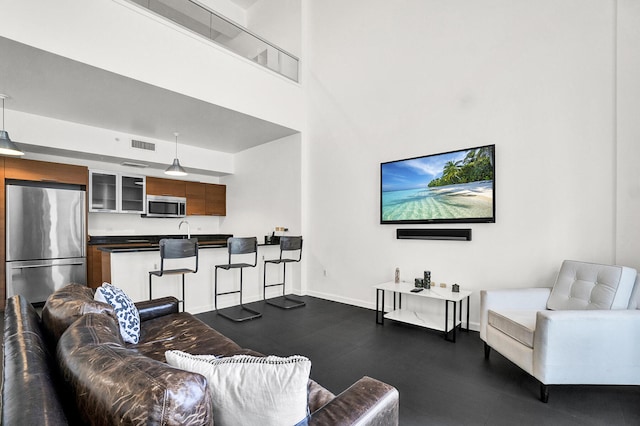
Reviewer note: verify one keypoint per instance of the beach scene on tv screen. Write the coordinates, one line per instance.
(451, 186)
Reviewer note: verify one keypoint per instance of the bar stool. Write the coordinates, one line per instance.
(285, 302)
(237, 246)
(174, 248)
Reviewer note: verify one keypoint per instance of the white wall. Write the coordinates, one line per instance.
(265, 192)
(628, 134)
(228, 9)
(278, 21)
(78, 138)
(133, 224)
(385, 82)
(125, 39)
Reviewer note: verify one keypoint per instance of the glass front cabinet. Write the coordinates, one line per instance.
(113, 192)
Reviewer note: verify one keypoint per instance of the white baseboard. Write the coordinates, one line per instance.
(345, 300)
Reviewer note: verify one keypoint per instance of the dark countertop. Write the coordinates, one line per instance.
(141, 243)
(153, 239)
(120, 249)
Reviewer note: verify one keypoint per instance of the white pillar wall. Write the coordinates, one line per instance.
(628, 134)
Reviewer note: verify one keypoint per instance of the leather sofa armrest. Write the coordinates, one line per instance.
(530, 299)
(29, 394)
(367, 402)
(150, 309)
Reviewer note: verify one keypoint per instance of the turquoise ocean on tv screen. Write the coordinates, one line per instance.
(458, 201)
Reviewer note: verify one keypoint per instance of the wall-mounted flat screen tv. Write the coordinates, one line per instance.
(451, 187)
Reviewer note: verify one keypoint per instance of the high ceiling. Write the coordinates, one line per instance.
(46, 84)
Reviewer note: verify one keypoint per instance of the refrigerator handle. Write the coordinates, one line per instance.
(47, 264)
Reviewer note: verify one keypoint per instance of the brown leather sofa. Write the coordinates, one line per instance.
(72, 367)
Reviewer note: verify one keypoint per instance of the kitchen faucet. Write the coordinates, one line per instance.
(188, 228)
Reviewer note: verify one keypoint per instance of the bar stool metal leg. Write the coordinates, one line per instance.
(151, 291)
(234, 313)
(284, 301)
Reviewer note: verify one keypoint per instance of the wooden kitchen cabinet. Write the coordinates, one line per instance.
(206, 199)
(170, 187)
(216, 200)
(94, 267)
(196, 198)
(98, 266)
(43, 171)
(202, 198)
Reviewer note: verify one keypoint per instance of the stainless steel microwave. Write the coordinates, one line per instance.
(164, 206)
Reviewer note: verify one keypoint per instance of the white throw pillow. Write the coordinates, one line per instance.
(249, 390)
(126, 311)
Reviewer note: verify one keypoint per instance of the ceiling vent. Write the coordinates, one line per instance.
(132, 164)
(143, 145)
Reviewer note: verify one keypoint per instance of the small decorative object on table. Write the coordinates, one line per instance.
(426, 283)
(455, 288)
(397, 276)
(418, 282)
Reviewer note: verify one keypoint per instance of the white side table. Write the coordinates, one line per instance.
(447, 326)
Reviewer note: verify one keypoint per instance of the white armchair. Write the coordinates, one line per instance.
(584, 330)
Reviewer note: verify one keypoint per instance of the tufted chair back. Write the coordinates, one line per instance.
(584, 286)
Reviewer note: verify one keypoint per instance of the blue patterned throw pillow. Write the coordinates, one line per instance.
(126, 311)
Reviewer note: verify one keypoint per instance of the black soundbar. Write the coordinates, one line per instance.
(434, 234)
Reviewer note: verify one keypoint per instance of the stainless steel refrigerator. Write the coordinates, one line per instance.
(45, 238)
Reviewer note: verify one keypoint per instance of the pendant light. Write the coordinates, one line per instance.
(175, 169)
(7, 147)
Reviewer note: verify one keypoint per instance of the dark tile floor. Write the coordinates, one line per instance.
(440, 383)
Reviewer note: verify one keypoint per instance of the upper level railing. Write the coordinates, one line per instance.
(207, 23)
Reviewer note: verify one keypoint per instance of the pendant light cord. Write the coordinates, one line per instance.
(3, 113)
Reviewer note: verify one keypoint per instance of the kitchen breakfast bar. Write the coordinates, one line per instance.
(126, 261)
